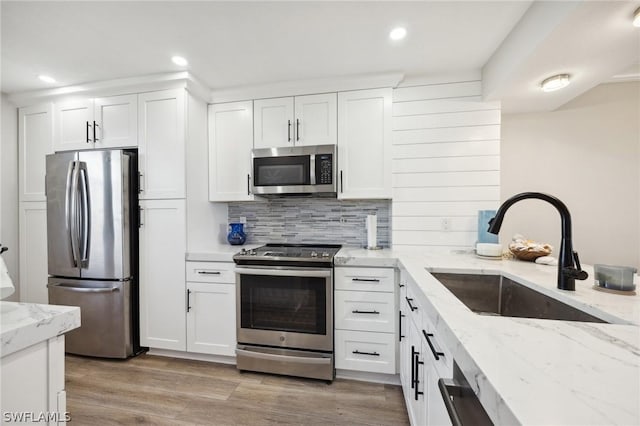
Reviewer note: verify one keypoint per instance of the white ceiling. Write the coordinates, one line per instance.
(231, 44)
(516, 43)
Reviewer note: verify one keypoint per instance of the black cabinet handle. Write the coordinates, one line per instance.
(140, 210)
(248, 182)
(400, 285)
(188, 300)
(418, 364)
(95, 139)
(435, 353)
(288, 130)
(209, 272)
(413, 308)
(365, 312)
(297, 129)
(3, 249)
(413, 366)
(357, 352)
(341, 185)
(400, 316)
(88, 126)
(368, 280)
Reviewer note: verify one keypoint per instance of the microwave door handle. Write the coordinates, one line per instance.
(312, 168)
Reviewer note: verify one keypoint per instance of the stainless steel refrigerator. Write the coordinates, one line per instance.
(92, 247)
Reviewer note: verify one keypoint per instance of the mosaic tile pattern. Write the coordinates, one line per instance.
(312, 220)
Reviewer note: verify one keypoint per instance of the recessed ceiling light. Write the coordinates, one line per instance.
(555, 83)
(636, 18)
(398, 33)
(47, 79)
(179, 60)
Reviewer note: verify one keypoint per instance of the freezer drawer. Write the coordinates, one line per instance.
(105, 316)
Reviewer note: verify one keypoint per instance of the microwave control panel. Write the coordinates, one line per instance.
(324, 169)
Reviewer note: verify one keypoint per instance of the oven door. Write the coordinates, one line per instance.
(285, 307)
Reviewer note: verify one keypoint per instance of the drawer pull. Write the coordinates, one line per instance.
(209, 272)
(413, 308)
(435, 353)
(400, 316)
(365, 312)
(357, 352)
(368, 280)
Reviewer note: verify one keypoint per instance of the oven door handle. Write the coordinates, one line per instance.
(320, 273)
(287, 358)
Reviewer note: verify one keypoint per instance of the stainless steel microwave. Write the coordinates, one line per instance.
(294, 170)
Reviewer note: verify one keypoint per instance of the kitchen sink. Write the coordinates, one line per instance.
(501, 296)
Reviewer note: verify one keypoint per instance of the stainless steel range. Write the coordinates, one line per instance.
(284, 309)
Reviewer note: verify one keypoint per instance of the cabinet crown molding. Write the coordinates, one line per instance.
(306, 87)
(120, 86)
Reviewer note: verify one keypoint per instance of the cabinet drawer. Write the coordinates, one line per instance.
(411, 303)
(211, 272)
(365, 351)
(365, 279)
(359, 310)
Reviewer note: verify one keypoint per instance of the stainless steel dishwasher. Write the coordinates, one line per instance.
(462, 404)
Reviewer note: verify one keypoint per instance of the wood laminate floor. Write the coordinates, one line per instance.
(170, 391)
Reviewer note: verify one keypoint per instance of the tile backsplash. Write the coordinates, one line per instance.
(298, 220)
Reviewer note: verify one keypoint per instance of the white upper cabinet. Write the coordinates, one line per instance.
(303, 120)
(34, 143)
(230, 144)
(316, 119)
(161, 144)
(273, 122)
(364, 144)
(109, 122)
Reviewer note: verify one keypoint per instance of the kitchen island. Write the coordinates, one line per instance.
(32, 361)
(531, 371)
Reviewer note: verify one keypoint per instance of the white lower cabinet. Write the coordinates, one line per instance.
(211, 308)
(423, 359)
(162, 281)
(365, 320)
(33, 252)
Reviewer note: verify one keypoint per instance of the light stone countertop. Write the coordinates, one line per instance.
(25, 324)
(531, 371)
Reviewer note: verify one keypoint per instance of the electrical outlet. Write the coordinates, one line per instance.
(445, 224)
(243, 219)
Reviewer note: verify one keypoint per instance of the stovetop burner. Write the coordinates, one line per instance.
(288, 254)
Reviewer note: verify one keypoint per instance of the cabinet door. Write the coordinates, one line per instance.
(35, 135)
(211, 318)
(116, 120)
(161, 144)
(316, 119)
(230, 144)
(416, 398)
(364, 144)
(273, 122)
(33, 253)
(162, 283)
(73, 125)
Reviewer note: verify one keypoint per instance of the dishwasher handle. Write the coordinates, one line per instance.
(449, 388)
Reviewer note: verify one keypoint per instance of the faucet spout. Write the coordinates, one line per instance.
(567, 259)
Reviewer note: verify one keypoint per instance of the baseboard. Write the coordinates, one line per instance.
(194, 356)
(363, 376)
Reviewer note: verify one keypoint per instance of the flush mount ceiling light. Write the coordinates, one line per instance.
(555, 83)
(180, 61)
(47, 79)
(636, 18)
(398, 33)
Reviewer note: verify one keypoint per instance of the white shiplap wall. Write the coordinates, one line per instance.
(446, 164)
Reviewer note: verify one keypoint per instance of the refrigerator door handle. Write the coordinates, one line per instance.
(72, 213)
(85, 217)
(83, 289)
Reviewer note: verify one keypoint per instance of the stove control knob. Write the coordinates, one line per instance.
(252, 252)
(314, 254)
(325, 254)
(243, 252)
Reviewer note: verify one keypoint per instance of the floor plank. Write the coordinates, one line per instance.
(169, 391)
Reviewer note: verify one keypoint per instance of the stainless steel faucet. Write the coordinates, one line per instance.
(568, 271)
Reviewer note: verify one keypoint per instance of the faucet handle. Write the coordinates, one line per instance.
(577, 259)
(576, 272)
